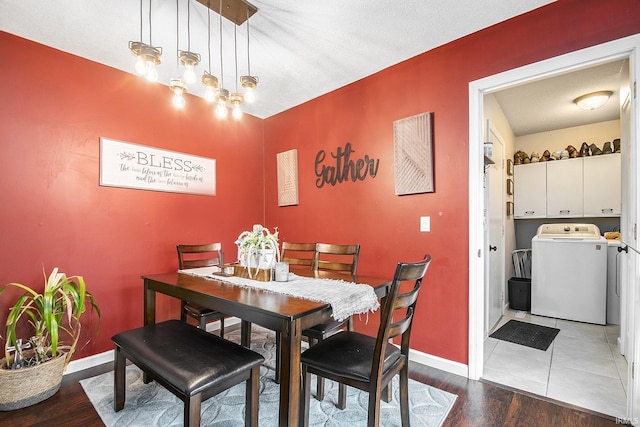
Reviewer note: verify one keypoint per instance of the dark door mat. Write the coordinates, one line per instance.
(528, 334)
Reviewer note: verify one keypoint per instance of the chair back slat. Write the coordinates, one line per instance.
(336, 257)
(202, 255)
(396, 302)
(298, 253)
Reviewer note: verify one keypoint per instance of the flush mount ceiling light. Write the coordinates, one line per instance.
(593, 100)
(147, 54)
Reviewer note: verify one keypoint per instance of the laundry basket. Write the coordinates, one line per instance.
(522, 262)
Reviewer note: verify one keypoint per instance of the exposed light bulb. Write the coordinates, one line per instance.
(178, 99)
(237, 112)
(210, 94)
(151, 73)
(141, 66)
(250, 95)
(189, 75)
(221, 111)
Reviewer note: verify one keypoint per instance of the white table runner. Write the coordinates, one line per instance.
(346, 298)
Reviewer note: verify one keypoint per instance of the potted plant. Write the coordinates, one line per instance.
(54, 319)
(258, 248)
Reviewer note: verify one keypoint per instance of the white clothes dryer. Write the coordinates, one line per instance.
(569, 273)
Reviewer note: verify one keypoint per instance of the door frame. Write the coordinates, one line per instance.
(628, 47)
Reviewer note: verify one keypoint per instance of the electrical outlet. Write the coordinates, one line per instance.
(425, 223)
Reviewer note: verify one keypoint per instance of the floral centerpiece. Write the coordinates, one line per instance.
(258, 248)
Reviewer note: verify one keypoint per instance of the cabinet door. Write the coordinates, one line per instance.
(564, 188)
(530, 190)
(602, 185)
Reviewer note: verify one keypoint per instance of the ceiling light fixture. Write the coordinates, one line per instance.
(593, 100)
(178, 86)
(147, 54)
(210, 81)
(249, 82)
(236, 99)
(236, 11)
(223, 94)
(189, 59)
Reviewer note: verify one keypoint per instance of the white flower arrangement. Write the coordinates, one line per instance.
(254, 246)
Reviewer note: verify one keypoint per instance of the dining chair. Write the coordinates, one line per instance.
(335, 258)
(195, 256)
(298, 254)
(365, 362)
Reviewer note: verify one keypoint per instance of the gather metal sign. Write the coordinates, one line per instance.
(343, 167)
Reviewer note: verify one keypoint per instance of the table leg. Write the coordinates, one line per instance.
(149, 314)
(149, 304)
(245, 333)
(290, 374)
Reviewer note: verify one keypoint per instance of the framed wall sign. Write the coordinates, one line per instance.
(287, 177)
(413, 154)
(127, 165)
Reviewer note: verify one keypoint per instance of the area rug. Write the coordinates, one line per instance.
(151, 405)
(528, 334)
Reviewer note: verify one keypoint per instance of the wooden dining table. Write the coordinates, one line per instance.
(279, 312)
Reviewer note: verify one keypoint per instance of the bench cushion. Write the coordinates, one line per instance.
(186, 357)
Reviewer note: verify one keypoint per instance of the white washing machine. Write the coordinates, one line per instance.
(569, 273)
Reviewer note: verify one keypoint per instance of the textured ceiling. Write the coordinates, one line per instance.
(300, 49)
(548, 104)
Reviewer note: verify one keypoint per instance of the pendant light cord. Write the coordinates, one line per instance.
(209, 32)
(188, 25)
(177, 36)
(248, 54)
(150, 42)
(235, 45)
(221, 66)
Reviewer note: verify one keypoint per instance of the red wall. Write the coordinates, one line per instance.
(54, 109)
(368, 212)
(53, 212)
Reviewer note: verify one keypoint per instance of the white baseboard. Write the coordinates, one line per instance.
(439, 363)
(414, 355)
(89, 362)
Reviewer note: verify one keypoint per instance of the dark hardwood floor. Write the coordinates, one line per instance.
(478, 404)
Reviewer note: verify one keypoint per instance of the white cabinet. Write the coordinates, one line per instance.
(602, 185)
(580, 187)
(530, 191)
(565, 188)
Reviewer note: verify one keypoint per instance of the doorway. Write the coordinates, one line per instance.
(624, 48)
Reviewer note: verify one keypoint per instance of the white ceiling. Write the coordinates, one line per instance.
(300, 49)
(547, 104)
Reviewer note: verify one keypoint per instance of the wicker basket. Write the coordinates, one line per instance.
(20, 388)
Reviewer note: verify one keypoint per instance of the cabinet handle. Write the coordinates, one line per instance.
(529, 212)
(565, 212)
(607, 211)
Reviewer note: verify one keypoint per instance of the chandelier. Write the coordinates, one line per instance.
(148, 58)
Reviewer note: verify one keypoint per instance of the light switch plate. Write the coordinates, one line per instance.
(425, 223)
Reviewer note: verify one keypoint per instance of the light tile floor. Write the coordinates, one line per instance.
(582, 366)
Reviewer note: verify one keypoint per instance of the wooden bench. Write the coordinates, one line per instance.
(189, 362)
